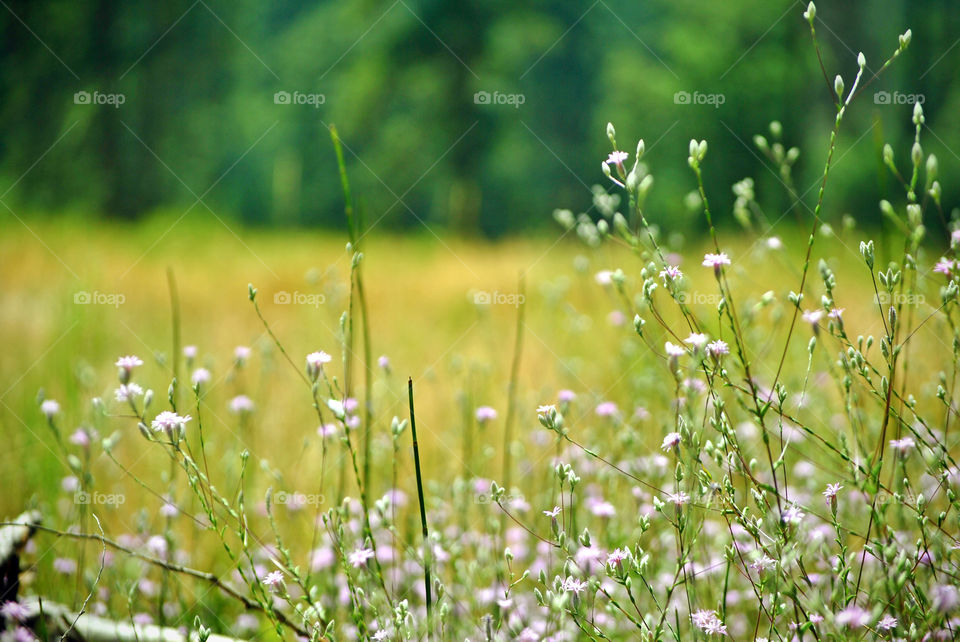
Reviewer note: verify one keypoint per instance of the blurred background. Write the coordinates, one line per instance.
(476, 117)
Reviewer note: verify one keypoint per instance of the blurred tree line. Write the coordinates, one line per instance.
(204, 116)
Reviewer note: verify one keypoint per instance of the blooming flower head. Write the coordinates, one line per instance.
(49, 407)
(671, 441)
(547, 415)
(606, 409)
(127, 392)
(716, 261)
(831, 491)
(384, 362)
(241, 354)
(697, 339)
(169, 422)
(903, 445)
(65, 565)
(316, 360)
(14, 611)
(566, 396)
(673, 350)
(670, 273)
(793, 515)
(552, 513)
(360, 556)
(80, 437)
(813, 316)
(241, 404)
(836, 314)
(679, 498)
(486, 414)
(853, 617)
(190, 352)
(617, 557)
(573, 585)
(125, 366)
(944, 266)
(718, 348)
(617, 158)
(763, 564)
(708, 622)
(200, 376)
(887, 622)
(273, 580)
(603, 277)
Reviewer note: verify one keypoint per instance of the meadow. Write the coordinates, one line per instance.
(608, 432)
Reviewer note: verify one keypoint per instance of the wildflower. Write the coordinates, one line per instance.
(944, 266)
(603, 509)
(157, 545)
(674, 350)
(14, 611)
(853, 617)
(573, 585)
(836, 314)
(679, 498)
(697, 339)
(80, 437)
(566, 396)
(887, 622)
(65, 565)
(485, 414)
(190, 352)
(617, 557)
(945, 597)
(360, 556)
(606, 409)
(382, 634)
(547, 416)
(316, 361)
(670, 273)
(718, 348)
(792, 515)
(603, 277)
(126, 366)
(127, 392)
(617, 158)
(200, 376)
(241, 404)
(169, 510)
(763, 564)
(273, 580)
(708, 622)
(327, 430)
(241, 354)
(904, 445)
(169, 422)
(830, 494)
(774, 243)
(552, 513)
(716, 261)
(50, 408)
(813, 316)
(70, 484)
(617, 318)
(384, 362)
(954, 238)
(671, 441)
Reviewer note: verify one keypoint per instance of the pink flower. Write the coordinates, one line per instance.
(49, 408)
(552, 513)
(617, 158)
(716, 261)
(273, 580)
(360, 556)
(606, 409)
(241, 405)
(617, 557)
(573, 585)
(316, 361)
(853, 617)
(887, 622)
(604, 277)
(718, 348)
(670, 273)
(944, 266)
(241, 354)
(671, 441)
(566, 396)
(674, 350)
(697, 339)
(129, 362)
(486, 414)
(708, 622)
(169, 422)
(127, 392)
(904, 445)
(679, 498)
(199, 376)
(813, 316)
